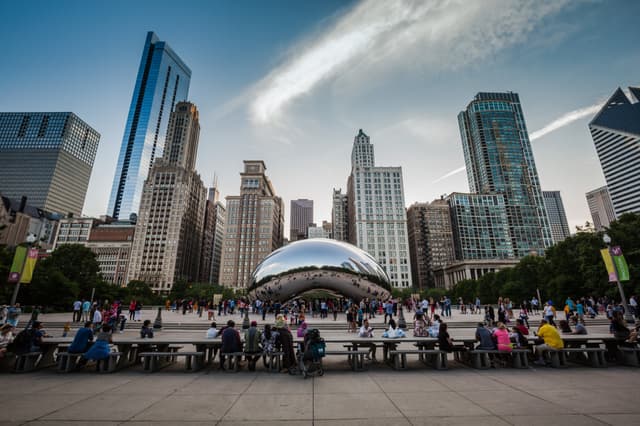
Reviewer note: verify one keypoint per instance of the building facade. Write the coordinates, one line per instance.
(254, 226)
(163, 79)
(480, 226)
(376, 212)
(557, 216)
(601, 208)
(430, 240)
(213, 235)
(75, 230)
(340, 216)
(499, 160)
(301, 218)
(316, 231)
(111, 243)
(48, 158)
(616, 133)
(450, 275)
(168, 237)
(18, 220)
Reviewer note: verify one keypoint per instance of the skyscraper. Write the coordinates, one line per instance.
(377, 216)
(499, 160)
(48, 158)
(168, 237)
(340, 216)
(163, 79)
(557, 215)
(616, 133)
(213, 235)
(301, 218)
(254, 228)
(601, 208)
(430, 240)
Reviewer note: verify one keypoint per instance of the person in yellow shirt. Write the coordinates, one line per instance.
(551, 338)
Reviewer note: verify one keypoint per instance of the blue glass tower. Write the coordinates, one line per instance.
(163, 79)
(499, 160)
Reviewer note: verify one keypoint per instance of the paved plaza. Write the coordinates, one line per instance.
(379, 396)
(575, 396)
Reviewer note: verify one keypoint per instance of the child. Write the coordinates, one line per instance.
(66, 330)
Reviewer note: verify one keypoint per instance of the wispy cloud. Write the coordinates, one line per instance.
(560, 122)
(384, 34)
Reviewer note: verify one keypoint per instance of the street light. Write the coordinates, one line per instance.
(628, 317)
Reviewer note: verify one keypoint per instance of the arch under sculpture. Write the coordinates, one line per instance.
(319, 263)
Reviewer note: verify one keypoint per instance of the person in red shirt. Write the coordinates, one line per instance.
(521, 327)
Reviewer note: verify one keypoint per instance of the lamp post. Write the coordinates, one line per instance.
(628, 317)
(31, 238)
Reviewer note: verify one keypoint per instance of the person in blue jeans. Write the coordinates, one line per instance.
(447, 307)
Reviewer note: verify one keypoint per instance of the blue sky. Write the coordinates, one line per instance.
(292, 82)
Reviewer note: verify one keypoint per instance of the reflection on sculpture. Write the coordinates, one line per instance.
(319, 264)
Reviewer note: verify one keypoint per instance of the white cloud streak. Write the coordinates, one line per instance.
(451, 173)
(565, 120)
(375, 35)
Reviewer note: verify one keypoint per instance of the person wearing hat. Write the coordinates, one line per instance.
(252, 345)
(285, 344)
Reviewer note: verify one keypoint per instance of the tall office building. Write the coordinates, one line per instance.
(616, 133)
(168, 237)
(213, 235)
(48, 158)
(430, 240)
(163, 79)
(254, 228)
(301, 218)
(557, 216)
(499, 160)
(377, 216)
(340, 216)
(601, 208)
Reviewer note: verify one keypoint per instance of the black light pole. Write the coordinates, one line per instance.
(628, 317)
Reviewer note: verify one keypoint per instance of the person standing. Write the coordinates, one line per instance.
(138, 311)
(132, 309)
(77, 311)
(86, 307)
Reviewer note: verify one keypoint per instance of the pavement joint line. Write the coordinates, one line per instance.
(384, 392)
(193, 379)
(55, 411)
(238, 396)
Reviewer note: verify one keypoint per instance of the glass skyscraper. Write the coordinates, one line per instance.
(616, 133)
(557, 216)
(48, 158)
(499, 160)
(163, 79)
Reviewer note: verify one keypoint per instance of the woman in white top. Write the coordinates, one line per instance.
(212, 332)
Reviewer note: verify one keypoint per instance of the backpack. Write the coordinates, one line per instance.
(22, 342)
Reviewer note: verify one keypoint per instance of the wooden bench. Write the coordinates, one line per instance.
(595, 356)
(629, 355)
(154, 361)
(355, 358)
(109, 364)
(273, 361)
(26, 362)
(232, 360)
(434, 357)
(67, 362)
(481, 360)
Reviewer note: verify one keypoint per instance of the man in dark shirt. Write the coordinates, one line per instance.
(230, 342)
(82, 340)
(483, 335)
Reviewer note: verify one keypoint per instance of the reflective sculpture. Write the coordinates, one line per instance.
(319, 263)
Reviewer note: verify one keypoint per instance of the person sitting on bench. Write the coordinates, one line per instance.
(551, 340)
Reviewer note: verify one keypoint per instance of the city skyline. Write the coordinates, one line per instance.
(408, 107)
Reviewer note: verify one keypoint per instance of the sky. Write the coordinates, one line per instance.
(291, 83)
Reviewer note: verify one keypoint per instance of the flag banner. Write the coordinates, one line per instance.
(29, 266)
(621, 263)
(18, 264)
(608, 263)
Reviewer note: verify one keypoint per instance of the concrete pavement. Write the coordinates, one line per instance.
(377, 397)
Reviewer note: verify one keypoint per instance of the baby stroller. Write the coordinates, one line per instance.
(310, 357)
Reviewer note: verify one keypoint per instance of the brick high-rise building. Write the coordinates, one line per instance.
(254, 227)
(214, 220)
(168, 237)
(601, 208)
(301, 218)
(430, 240)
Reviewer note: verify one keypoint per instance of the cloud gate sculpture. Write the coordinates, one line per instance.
(319, 263)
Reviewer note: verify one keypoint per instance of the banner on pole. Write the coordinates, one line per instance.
(621, 263)
(29, 266)
(608, 263)
(18, 264)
